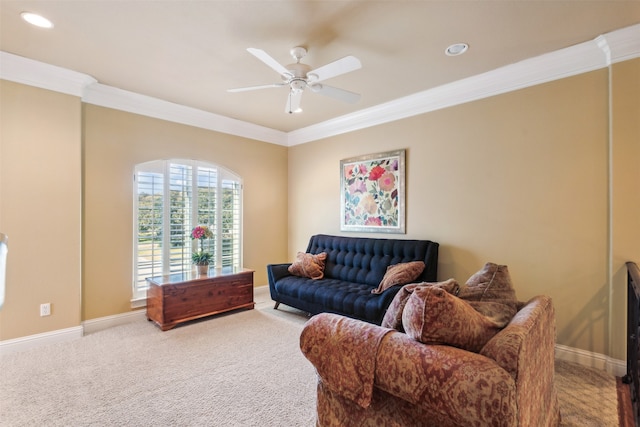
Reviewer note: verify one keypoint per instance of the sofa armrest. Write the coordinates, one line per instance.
(276, 272)
(526, 349)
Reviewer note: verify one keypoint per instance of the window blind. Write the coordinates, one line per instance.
(172, 197)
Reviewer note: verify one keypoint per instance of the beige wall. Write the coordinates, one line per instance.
(519, 179)
(40, 208)
(114, 142)
(625, 213)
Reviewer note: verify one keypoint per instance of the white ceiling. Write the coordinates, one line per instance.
(190, 52)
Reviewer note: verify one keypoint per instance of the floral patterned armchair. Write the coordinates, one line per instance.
(369, 375)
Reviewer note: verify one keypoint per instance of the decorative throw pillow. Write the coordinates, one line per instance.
(309, 265)
(400, 274)
(491, 292)
(393, 316)
(434, 316)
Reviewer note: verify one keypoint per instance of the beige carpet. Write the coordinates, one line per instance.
(588, 396)
(240, 369)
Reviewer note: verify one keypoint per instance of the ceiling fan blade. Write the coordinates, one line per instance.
(293, 102)
(335, 68)
(267, 59)
(334, 92)
(244, 89)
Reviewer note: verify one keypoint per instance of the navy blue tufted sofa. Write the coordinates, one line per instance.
(354, 267)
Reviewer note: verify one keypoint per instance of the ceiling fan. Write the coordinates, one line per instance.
(300, 76)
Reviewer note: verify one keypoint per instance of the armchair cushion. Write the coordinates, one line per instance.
(393, 316)
(491, 292)
(434, 316)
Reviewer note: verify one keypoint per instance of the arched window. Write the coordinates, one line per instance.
(170, 198)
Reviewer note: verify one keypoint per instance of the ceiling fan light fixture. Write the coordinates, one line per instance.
(37, 20)
(297, 85)
(456, 49)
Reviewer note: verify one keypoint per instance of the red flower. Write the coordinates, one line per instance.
(201, 232)
(376, 173)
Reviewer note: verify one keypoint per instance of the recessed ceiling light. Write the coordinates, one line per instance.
(37, 20)
(456, 49)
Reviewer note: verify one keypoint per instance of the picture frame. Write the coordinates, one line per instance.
(372, 193)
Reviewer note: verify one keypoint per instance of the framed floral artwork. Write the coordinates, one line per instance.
(372, 193)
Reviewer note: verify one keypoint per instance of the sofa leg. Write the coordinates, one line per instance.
(275, 307)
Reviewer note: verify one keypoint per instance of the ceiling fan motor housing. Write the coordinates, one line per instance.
(297, 79)
(298, 70)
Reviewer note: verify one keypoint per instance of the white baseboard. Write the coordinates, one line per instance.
(102, 323)
(68, 334)
(593, 360)
(37, 340)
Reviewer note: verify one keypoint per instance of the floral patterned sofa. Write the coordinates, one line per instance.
(371, 375)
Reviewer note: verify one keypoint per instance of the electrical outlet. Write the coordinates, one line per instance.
(45, 309)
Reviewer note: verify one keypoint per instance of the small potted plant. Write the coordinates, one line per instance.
(201, 259)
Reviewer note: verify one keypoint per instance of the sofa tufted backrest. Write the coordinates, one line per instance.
(365, 260)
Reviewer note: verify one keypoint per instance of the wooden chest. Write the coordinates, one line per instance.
(181, 297)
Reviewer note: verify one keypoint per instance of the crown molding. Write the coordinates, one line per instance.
(45, 76)
(616, 46)
(622, 45)
(111, 97)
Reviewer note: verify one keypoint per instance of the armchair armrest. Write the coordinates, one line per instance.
(343, 352)
(526, 349)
